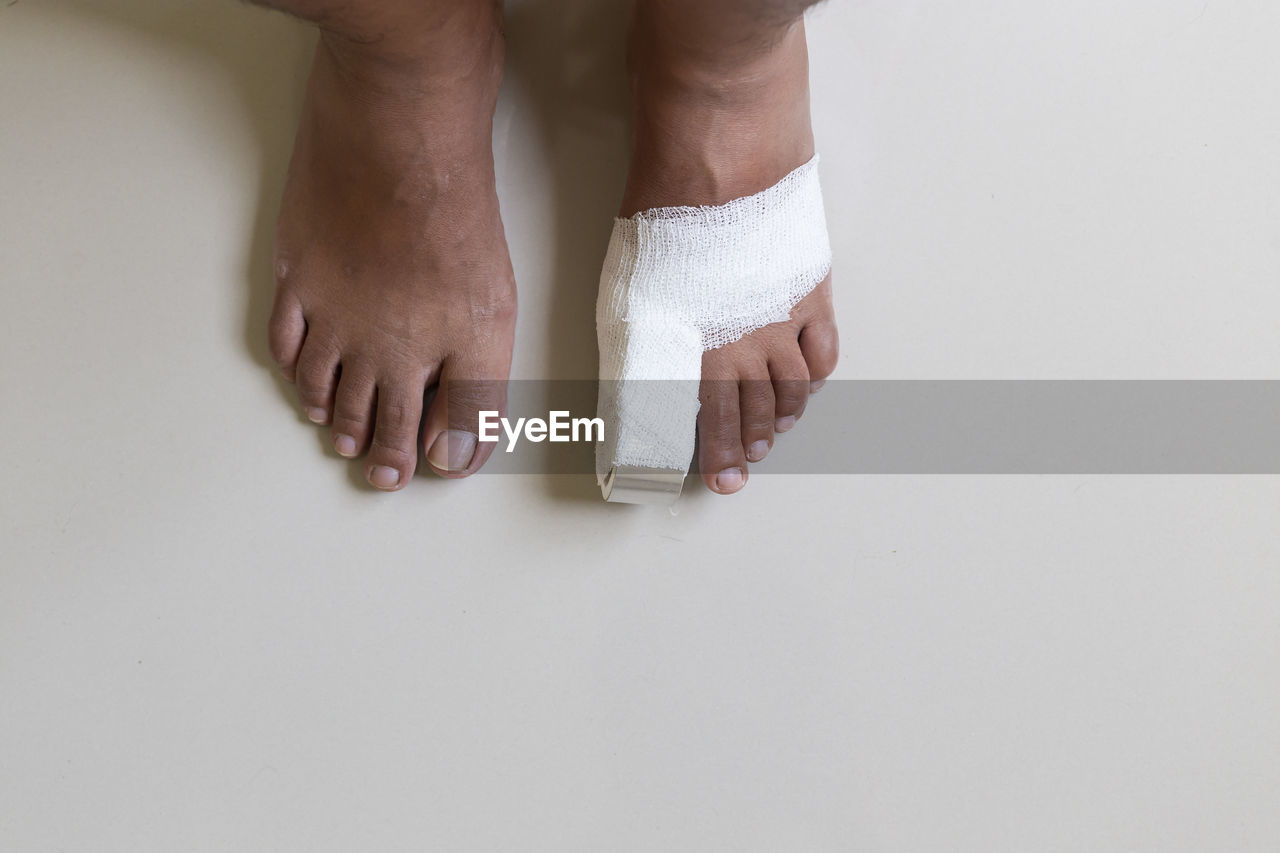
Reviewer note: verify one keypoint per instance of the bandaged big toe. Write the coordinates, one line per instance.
(678, 281)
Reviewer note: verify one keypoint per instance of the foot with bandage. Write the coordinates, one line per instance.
(714, 314)
(391, 265)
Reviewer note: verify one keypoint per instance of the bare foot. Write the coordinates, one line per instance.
(392, 272)
(712, 126)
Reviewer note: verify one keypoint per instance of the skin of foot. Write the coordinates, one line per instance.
(391, 264)
(721, 111)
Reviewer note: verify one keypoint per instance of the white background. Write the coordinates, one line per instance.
(213, 637)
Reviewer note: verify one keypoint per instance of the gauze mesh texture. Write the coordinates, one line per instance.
(678, 281)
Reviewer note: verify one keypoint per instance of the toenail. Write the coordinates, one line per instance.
(815, 385)
(729, 480)
(452, 450)
(317, 415)
(345, 445)
(384, 477)
(758, 450)
(784, 424)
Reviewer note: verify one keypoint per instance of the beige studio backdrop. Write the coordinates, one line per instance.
(213, 637)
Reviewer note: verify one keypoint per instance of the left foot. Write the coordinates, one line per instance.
(709, 130)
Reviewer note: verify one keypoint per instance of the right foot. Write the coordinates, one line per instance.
(392, 272)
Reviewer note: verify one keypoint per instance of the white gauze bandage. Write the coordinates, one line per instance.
(678, 281)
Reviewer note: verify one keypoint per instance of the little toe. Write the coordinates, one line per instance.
(721, 457)
(393, 452)
(285, 332)
(820, 345)
(353, 412)
(819, 338)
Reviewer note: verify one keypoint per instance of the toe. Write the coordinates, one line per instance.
(721, 458)
(353, 411)
(819, 340)
(393, 452)
(756, 402)
(317, 376)
(790, 387)
(285, 332)
(820, 344)
(469, 385)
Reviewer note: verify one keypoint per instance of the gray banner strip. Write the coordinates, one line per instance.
(979, 427)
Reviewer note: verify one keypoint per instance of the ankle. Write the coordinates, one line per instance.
(706, 131)
(711, 45)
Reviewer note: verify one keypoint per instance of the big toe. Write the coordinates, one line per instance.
(468, 387)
